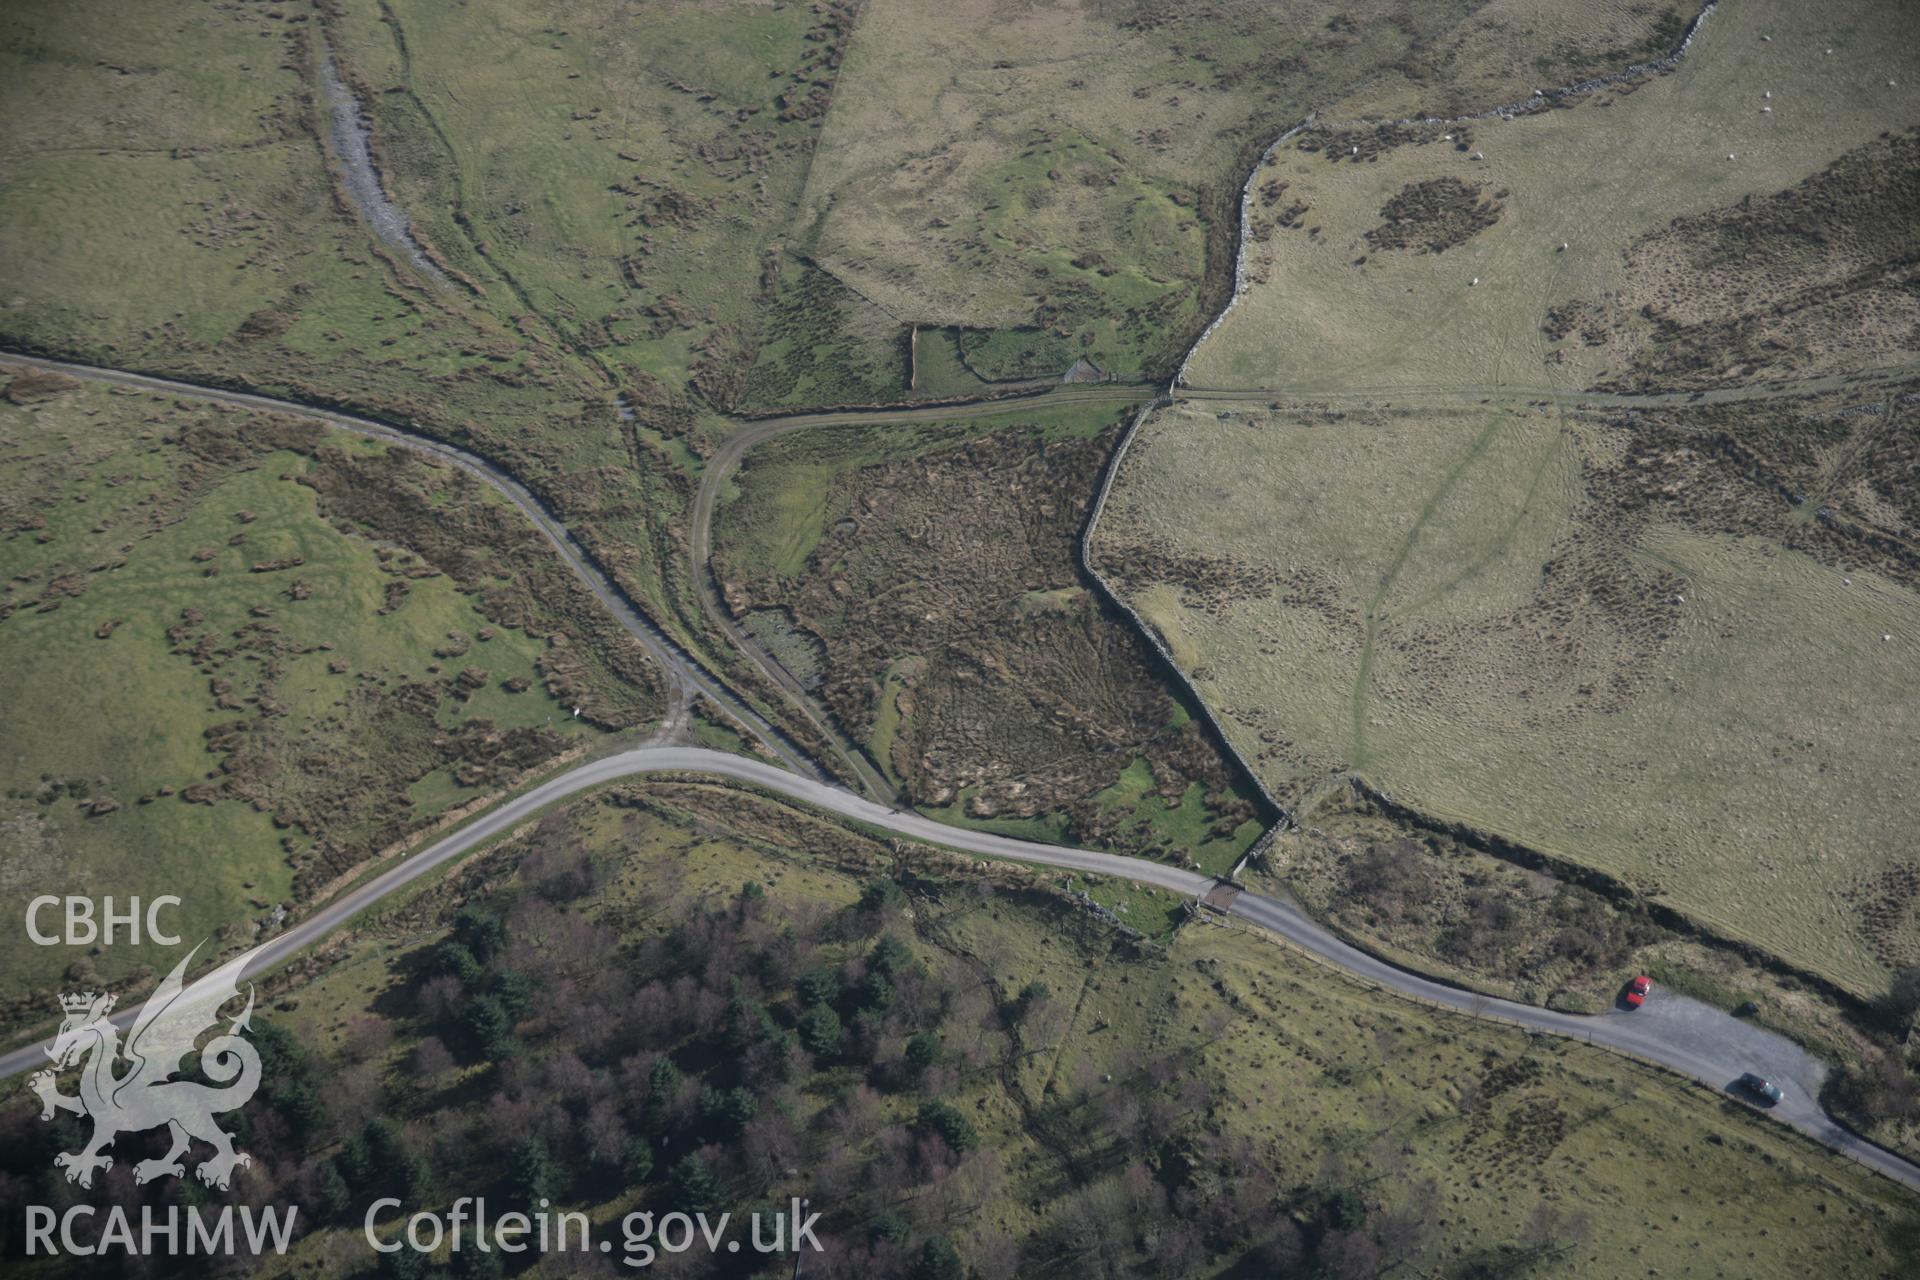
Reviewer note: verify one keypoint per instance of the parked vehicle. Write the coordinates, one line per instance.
(1760, 1087)
(1637, 991)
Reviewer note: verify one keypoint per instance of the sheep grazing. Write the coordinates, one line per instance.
(1563, 246)
(1729, 155)
(1354, 152)
(1479, 155)
(1767, 94)
(1766, 111)
(1472, 282)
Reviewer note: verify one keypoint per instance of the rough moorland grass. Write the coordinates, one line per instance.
(1481, 1131)
(825, 344)
(1429, 601)
(170, 207)
(1508, 48)
(960, 645)
(111, 526)
(1014, 166)
(628, 177)
(775, 511)
(1613, 167)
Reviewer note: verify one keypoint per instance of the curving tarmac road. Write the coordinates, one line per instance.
(1682, 1035)
(1679, 1034)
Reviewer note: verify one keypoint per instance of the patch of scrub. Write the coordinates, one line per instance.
(1005, 355)
(792, 646)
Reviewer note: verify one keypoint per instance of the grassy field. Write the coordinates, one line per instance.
(1465, 609)
(214, 691)
(1220, 1091)
(626, 179)
(1067, 168)
(170, 207)
(1670, 645)
(1578, 192)
(923, 581)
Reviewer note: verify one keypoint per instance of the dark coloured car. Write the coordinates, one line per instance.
(1760, 1087)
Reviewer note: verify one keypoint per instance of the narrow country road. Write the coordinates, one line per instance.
(1681, 1035)
(1684, 1036)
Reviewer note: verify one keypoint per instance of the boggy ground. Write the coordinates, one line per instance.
(738, 1003)
(246, 653)
(924, 580)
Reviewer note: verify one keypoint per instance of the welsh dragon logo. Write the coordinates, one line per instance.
(145, 1095)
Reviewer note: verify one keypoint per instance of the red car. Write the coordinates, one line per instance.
(1637, 991)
